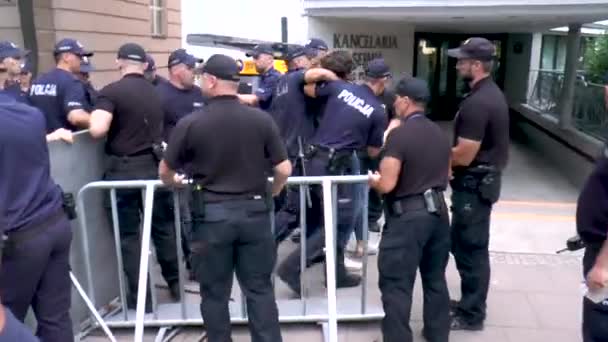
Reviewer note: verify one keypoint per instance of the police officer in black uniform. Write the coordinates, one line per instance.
(230, 200)
(592, 227)
(480, 153)
(353, 120)
(130, 113)
(414, 173)
(36, 254)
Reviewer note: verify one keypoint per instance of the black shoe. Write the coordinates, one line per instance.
(454, 304)
(293, 282)
(174, 291)
(458, 323)
(348, 280)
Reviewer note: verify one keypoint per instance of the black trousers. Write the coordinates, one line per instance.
(413, 240)
(595, 316)
(470, 243)
(130, 211)
(235, 236)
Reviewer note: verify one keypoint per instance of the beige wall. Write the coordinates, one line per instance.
(102, 26)
(10, 27)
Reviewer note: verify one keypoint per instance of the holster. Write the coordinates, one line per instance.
(483, 180)
(69, 205)
(197, 205)
(431, 200)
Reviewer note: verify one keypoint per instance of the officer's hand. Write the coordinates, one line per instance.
(61, 134)
(178, 180)
(597, 278)
(374, 178)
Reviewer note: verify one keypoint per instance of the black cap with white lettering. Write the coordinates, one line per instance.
(132, 52)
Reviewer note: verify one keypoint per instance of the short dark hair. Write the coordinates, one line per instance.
(340, 62)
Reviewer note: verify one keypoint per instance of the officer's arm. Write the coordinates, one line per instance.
(465, 151)
(248, 99)
(79, 118)
(73, 104)
(168, 176)
(282, 171)
(100, 123)
(315, 75)
(390, 168)
(175, 155)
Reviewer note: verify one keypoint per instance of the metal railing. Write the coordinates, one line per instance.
(124, 320)
(589, 114)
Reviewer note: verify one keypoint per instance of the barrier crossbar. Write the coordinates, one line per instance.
(330, 319)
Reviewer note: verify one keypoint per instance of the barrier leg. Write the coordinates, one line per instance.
(303, 287)
(330, 257)
(142, 287)
(365, 246)
(91, 308)
(85, 246)
(121, 273)
(180, 252)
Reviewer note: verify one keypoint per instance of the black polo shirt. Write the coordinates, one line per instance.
(484, 117)
(591, 213)
(226, 147)
(137, 115)
(424, 152)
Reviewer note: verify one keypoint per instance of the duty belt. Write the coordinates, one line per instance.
(417, 202)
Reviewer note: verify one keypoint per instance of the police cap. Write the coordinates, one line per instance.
(414, 88)
(9, 49)
(295, 51)
(180, 56)
(317, 44)
(261, 49)
(132, 52)
(72, 46)
(474, 48)
(222, 67)
(377, 68)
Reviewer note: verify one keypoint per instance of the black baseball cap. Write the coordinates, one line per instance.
(71, 46)
(377, 68)
(222, 67)
(11, 50)
(261, 49)
(414, 88)
(317, 44)
(151, 63)
(132, 52)
(181, 56)
(295, 51)
(474, 48)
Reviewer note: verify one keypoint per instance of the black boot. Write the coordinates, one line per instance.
(344, 279)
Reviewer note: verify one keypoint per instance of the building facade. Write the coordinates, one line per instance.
(101, 26)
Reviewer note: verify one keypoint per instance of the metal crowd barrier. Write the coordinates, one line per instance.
(186, 317)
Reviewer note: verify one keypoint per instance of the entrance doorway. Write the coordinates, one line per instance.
(431, 63)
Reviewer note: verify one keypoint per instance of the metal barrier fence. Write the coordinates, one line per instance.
(187, 315)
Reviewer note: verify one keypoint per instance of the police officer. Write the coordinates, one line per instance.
(25, 78)
(84, 75)
(129, 112)
(316, 49)
(591, 224)
(480, 153)
(180, 96)
(263, 56)
(353, 120)
(36, 253)
(10, 69)
(292, 113)
(150, 72)
(413, 175)
(58, 93)
(377, 80)
(230, 206)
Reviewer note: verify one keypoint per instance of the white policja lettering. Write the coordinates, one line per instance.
(355, 102)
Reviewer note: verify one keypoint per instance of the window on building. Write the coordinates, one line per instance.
(158, 18)
(553, 53)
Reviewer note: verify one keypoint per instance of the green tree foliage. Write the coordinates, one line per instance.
(596, 59)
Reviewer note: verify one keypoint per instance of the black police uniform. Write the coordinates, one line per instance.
(296, 122)
(36, 255)
(416, 234)
(483, 117)
(132, 147)
(591, 224)
(353, 120)
(230, 205)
